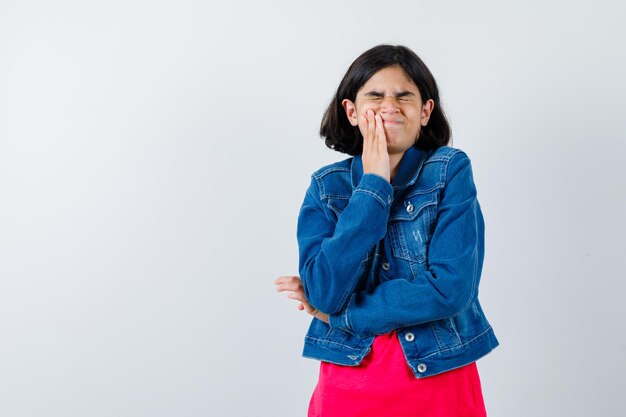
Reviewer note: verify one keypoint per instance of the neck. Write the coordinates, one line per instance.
(394, 162)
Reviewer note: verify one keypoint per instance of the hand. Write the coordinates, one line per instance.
(293, 284)
(375, 156)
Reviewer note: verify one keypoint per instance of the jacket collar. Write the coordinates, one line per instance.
(408, 169)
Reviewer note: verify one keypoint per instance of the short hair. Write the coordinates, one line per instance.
(336, 129)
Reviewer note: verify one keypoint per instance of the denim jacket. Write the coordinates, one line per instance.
(404, 256)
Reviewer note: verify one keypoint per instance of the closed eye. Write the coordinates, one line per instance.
(374, 95)
(404, 96)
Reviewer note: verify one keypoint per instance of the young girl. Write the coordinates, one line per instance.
(391, 246)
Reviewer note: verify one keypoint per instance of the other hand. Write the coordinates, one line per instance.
(293, 285)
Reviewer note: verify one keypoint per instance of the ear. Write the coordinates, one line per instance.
(350, 108)
(427, 109)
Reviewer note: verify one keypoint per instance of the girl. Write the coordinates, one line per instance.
(391, 248)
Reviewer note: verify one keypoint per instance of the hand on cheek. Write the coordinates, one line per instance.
(375, 156)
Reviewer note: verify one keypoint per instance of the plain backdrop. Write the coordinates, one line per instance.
(154, 156)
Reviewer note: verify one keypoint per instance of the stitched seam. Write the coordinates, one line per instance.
(450, 152)
(320, 186)
(447, 164)
(349, 327)
(457, 347)
(404, 248)
(436, 333)
(371, 193)
(337, 196)
(330, 170)
(331, 342)
(456, 332)
(346, 295)
(440, 158)
(412, 216)
(426, 191)
(474, 276)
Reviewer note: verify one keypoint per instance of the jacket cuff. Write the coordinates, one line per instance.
(378, 187)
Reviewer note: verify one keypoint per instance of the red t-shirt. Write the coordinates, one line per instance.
(384, 386)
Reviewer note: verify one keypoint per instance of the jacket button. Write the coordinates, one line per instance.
(386, 266)
(409, 337)
(421, 368)
(409, 208)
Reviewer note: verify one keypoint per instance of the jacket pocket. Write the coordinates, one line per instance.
(445, 333)
(471, 322)
(411, 224)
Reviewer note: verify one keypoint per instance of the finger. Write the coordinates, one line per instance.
(371, 128)
(300, 307)
(290, 281)
(286, 278)
(296, 296)
(367, 140)
(289, 290)
(381, 141)
(307, 306)
(289, 287)
(365, 137)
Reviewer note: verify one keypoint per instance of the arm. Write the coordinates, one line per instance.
(450, 284)
(293, 286)
(330, 253)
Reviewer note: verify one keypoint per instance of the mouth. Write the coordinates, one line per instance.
(392, 122)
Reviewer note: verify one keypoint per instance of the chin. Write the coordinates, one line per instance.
(393, 149)
(397, 142)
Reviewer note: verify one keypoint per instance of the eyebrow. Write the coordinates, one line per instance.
(379, 94)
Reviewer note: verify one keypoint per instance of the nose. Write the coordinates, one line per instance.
(389, 104)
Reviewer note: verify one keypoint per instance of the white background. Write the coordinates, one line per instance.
(154, 156)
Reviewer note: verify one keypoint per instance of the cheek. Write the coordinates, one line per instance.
(416, 114)
(362, 123)
(365, 106)
(363, 127)
(362, 110)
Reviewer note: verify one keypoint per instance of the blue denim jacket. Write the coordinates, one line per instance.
(404, 256)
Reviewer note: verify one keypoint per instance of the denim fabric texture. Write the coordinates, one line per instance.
(405, 256)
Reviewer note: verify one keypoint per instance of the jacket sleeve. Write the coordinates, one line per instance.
(450, 283)
(331, 251)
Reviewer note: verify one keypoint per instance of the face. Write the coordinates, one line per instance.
(393, 95)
